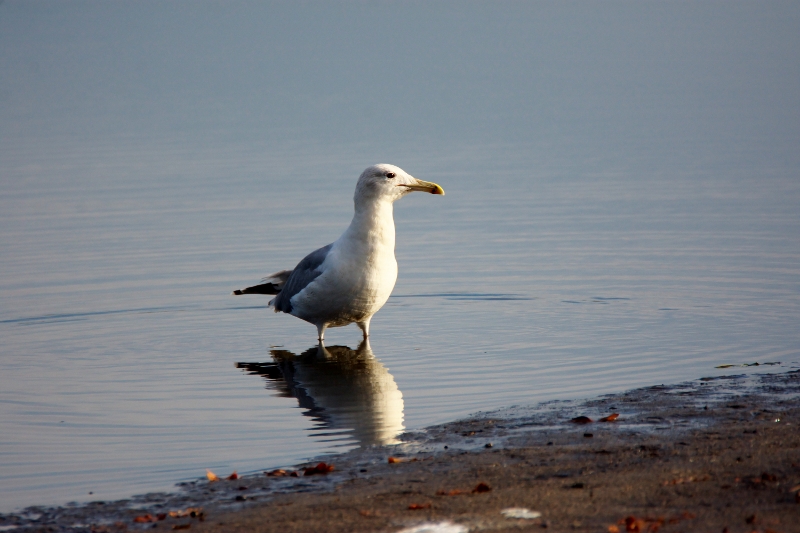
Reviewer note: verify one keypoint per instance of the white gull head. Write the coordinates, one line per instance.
(387, 182)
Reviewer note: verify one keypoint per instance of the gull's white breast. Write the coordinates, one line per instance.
(356, 281)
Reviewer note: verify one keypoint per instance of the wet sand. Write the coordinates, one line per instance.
(714, 454)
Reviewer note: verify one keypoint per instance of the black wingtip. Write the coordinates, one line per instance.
(264, 288)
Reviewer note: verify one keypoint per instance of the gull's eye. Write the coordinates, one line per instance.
(390, 175)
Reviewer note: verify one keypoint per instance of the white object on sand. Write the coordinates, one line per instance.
(520, 512)
(436, 527)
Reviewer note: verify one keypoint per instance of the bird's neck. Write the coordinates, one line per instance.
(373, 224)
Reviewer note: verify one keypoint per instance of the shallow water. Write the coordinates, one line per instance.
(622, 209)
(127, 366)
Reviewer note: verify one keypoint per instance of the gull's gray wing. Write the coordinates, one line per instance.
(304, 273)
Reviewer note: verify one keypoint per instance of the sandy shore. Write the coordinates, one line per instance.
(717, 454)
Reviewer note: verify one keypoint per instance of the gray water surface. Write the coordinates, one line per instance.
(622, 209)
(127, 365)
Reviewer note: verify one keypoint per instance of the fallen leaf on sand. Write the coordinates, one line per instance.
(394, 460)
(520, 512)
(277, 473)
(454, 492)
(635, 524)
(143, 519)
(193, 512)
(321, 468)
(581, 420)
(610, 418)
(211, 475)
(418, 506)
(482, 487)
(757, 481)
(233, 476)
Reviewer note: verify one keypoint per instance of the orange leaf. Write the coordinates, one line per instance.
(211, 475)
(610, 418)
(393, 460)
(581, 420)
(143, 519)
(633, 524)
(233, 476)
(418, 506)
(482, 487)
(613, 529)
(194, 512)
(321, 468)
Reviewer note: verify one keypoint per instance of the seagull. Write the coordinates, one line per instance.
(350, 279)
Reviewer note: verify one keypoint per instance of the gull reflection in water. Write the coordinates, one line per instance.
(342, 389)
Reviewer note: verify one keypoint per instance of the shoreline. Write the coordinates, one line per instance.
(708, 454)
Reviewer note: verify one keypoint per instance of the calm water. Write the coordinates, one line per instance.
(622, 209)
(126, 365)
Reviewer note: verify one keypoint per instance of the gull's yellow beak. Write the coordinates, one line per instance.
(425, 186)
